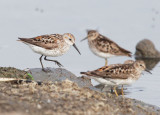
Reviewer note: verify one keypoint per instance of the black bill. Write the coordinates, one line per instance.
(74, 45)
(147, 70)
(84, 39)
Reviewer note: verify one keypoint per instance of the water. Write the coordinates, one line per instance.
(126, 22)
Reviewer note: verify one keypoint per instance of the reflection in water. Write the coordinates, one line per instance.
(150, 62)
(109, 89)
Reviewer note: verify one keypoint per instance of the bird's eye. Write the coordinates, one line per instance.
(70, 39)
(140, 65)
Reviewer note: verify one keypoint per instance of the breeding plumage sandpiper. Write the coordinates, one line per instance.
(104, 47)
(118, 74)
(50, 45)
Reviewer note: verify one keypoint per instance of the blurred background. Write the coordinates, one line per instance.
(125, 22)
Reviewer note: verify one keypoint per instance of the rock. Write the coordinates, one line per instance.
(59, 74)
(66, 98)
(53, 74)
(59, 94)
(11, 72)
(149, 62)
(146, 48)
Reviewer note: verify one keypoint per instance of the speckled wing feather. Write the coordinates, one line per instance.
(102, 69)
(104, 44)
(105, 68)
(115, 72)
(45, 41)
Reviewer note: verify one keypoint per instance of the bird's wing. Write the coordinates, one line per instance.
(104, 44)
(45, 41)
(116, 72)
(105, 68)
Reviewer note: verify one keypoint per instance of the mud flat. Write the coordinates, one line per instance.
(63, 96)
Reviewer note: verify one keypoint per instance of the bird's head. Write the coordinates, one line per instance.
(91, 35)
(70, 40)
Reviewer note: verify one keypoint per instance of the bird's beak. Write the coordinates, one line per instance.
(84, 39)
(90, 35)
(74, 45)
(147, 70)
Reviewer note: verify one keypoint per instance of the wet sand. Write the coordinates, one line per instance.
(65, 97)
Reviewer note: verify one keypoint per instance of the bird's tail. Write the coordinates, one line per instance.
(83, 73)
(25, 40)
(126, 52)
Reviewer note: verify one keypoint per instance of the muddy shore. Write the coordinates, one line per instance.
(63, 96)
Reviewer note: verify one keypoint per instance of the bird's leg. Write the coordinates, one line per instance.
(115, 91)
(59, 64)
(106, 62)
(103, 88)
(122, 91)
(111, 89)
(41, 62)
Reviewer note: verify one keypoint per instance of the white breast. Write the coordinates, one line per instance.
(123, 81)
(103, 81)
(113, 82)
(46, 52)
(98, 53)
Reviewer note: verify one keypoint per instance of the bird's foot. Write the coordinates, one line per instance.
(59, 64)
(46, 70)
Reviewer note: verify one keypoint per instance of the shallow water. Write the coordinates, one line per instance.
(126, 22)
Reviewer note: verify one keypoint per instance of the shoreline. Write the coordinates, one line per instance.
(62, 95)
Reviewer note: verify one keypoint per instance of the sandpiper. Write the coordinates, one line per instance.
(118, 74)
(104, 47)
(51, 45)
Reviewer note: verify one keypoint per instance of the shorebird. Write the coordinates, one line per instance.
(104, 47)
(51, 45)
(118, 74)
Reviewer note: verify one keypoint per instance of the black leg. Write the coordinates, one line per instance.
(59, 64)
(103, 88)
(41, 62)
(111, 89)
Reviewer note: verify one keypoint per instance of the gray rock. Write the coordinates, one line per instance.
(59, 74)
(146, 48)
(150, 62)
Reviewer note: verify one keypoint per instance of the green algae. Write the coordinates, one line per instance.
(10, 72)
